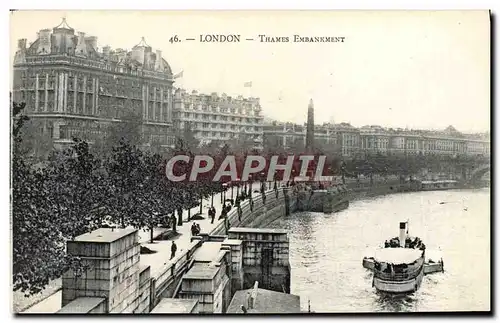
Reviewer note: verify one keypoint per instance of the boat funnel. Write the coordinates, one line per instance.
(402, 234)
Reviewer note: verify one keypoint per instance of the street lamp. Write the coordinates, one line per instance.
(237, 187)
(223, 193)
(250, 186)
(262, 182)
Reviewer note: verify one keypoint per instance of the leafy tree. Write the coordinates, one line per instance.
(49, 206)
(36, 140)
(128, 130)
(124, 168)
(77, 190)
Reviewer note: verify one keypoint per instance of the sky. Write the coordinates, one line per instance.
(417, 70)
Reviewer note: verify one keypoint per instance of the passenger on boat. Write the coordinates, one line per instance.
(407, 242)
(387, 244)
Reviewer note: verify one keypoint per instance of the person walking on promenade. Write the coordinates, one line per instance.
(193, 229)
(223, 213)
(212, 214)
(173, 249)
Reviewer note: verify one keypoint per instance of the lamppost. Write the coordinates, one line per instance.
(223, 193)
(262, 183)
(237, 188)
(250, 186)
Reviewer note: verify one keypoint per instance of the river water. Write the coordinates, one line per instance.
(326, 252)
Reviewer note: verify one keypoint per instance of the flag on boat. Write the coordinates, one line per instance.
(247, 84)
(178, 75)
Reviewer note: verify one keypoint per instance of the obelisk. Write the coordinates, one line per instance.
(310, 127)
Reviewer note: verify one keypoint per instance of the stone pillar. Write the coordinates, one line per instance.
(162, 117)
(75, 93)
(46, 92)
(56, 92)
(85, 95)
(111, 269)
(37, 99)
(65, 89)
(154, 104)
(60, 91)
(95, 95)
(236, 249)
(265, 257)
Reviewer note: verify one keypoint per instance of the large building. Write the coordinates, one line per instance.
(350, 141)
(219, 118)
(77, 90)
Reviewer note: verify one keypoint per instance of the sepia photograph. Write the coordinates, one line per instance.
(250, 162)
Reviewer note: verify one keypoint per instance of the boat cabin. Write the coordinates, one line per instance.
(398, 263)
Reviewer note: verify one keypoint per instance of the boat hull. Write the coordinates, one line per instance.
(404, 286)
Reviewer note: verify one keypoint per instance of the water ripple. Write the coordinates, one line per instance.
(326, 252)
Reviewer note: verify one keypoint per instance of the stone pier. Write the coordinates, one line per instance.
(110, 260)
(265, 258)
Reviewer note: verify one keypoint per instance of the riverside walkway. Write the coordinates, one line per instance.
(183, 237)
(49, 301)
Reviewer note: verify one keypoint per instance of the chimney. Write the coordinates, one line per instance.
(21, 44)
(402, 234)
(81, 46)
(158, 61)
(20, 56)
(106, 50)
(92, 41)
(44, 44)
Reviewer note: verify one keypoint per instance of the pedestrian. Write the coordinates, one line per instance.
(210, 212)
(198, 229)
(173, 249)
(193, 229)
(213, 215)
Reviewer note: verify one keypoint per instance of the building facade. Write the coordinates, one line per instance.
(289, 135)
(219, 118)
(77, 90)
(351, 142)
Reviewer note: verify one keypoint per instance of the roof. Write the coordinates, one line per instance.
(201, 270)
(267, 301)
(208, 251)
(174, 306)
(81, 305)
(63, 25)
(257, 230)
(104, 235)
(397, 256)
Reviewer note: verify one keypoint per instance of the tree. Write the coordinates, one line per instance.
(36, 140)
(77, 189)
(128, 130)
(124, 168)
(154, 195)
(49, 206)
(185, 139)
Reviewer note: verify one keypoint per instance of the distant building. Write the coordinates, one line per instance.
(77, 90)
(290, 135)
(351, 142)
(219, 118)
